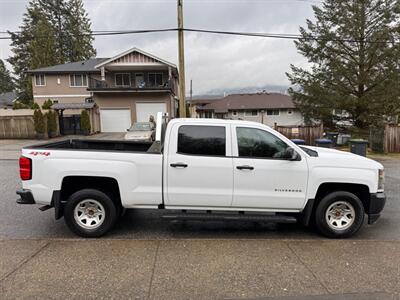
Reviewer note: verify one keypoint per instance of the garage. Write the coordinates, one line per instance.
(145, 110)
(115, 120)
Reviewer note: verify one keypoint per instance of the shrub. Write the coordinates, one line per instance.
(35, 106)
(85, 122)
(39, 121)
(51, 121)
(19, 105)
(47, 104)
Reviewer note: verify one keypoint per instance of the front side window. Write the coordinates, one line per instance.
(155, 79)
(258, 143)
(122, 79)
(78, 80)
(202, 140)
(40, 80)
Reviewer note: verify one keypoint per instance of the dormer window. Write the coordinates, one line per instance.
(122, 79)
(40, 80)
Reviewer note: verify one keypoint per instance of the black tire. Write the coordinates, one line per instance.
(110, 213)
(327, 229)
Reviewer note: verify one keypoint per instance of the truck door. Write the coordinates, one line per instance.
(199, 171)
(261, 178)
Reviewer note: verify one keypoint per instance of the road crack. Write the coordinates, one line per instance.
(154, 267)
(308, 268)
(24, 261)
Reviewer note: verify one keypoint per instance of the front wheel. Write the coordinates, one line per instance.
(339, 215)
(90, 213)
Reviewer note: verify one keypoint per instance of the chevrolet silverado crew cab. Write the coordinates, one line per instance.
(203, 169)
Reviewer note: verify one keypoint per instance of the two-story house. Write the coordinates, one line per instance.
(117, 91)
(266, 108)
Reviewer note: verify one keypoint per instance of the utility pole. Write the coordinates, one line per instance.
(182, 102)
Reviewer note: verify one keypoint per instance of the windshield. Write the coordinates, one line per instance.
(145, 126)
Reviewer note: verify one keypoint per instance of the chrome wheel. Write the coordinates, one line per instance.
(89, 214)
(340, 215)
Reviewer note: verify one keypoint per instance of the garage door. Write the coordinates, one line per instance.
(115, 120)
(145, 110)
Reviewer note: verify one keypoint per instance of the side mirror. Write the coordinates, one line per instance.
(291, 154)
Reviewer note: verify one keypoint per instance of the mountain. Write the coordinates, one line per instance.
(219, 93)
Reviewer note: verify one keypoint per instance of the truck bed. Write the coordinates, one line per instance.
(104, 145)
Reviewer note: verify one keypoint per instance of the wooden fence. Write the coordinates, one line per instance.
(391, 143)
(306, 133)
(16, 127)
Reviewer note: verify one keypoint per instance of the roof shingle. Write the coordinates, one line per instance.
(87, 66)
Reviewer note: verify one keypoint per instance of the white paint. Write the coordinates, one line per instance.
(145, 110)
(115, 120)
(61, 96)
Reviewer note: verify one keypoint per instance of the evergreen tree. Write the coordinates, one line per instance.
(6, 82)
(354, 51)
(52, 32)
(78, 26)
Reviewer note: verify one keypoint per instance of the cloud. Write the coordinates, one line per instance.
(212, 61)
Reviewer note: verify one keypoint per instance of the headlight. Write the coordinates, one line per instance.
(381, 179)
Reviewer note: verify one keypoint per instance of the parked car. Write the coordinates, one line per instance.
(203, 169)
(141, 131)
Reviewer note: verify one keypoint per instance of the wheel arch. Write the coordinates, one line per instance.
(72, 184)
(360, 190)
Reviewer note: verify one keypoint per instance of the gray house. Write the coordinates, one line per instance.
(266, 108)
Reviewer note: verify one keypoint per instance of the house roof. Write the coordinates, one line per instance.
(250, 101)
(6, 99)
(87, 66)
(134, 49)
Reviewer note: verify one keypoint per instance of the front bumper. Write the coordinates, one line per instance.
(26, 197)
(376, 204)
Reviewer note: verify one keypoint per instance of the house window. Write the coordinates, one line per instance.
(272, 112)
(251, 113)
(40, 80)
(139, 80)
(208, 114)
(122, 79)
(78, 80)
(155, 79)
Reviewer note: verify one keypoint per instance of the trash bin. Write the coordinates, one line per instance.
(358, 147)
(333, 136)
(298, 141)
(325, 143)
(343, 139)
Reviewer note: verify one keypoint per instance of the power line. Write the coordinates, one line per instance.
(235, 33)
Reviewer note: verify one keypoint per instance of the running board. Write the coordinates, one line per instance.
(230, 217)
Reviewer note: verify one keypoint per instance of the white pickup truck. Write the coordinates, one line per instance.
(203, 169)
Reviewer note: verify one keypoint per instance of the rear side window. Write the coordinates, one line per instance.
(202, 140)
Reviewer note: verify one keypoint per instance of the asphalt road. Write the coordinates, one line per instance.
(20, 222)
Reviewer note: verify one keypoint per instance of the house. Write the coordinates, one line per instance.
(116, 91)
(7, 99)
(266, 108)
(196, 105)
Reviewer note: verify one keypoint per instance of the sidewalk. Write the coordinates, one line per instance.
(199, 269)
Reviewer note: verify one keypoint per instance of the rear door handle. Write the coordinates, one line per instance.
(179, 165)
(245, 167)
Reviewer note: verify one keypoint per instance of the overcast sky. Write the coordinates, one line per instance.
(212, 61)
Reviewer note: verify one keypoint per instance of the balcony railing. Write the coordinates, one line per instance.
(102, 85)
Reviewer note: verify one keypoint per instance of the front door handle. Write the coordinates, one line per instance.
(245, 167)
(179, 165)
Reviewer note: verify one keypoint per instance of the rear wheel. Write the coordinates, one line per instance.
(90, 213)
(339, 215)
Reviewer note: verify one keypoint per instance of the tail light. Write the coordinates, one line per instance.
(25, 168)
